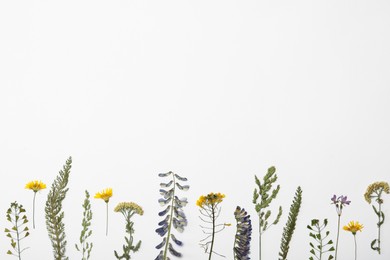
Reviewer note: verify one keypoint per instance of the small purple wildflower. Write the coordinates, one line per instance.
(340, 202)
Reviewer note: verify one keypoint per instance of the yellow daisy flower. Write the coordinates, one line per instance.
(353, 227)
(104, 195)
(35, 186)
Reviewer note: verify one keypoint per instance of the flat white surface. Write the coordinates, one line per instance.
(216, 91)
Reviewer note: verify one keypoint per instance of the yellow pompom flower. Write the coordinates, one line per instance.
(105, 195)
(375, 190)
(35, 186)
(353, 227)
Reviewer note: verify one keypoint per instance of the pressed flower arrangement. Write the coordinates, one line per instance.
(175, 220)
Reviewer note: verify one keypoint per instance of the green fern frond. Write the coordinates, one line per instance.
(288, 230)
(54, 214)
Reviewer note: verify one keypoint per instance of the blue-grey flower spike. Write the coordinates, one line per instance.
(175, 219)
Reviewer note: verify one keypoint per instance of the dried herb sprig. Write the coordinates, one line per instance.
(174, 215)
(316, 232)
(19, 231)
(262, 198)
(55, 215)
(288, 230)
(85, 247)
(375, 191)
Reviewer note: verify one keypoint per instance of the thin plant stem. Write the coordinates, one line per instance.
(35, 194)
(106, 218)
(337, 239)
(17, 234)
(379, 228)
(170, 220)
(259, 241)
(213, 234)
(354, 238)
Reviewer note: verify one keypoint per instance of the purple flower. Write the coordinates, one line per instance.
(340, 202)
(344, 200)
(334, 199)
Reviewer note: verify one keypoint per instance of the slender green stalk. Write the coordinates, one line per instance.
(35, 194)
(260, 241)
(337, 238)
(106, 218)
(213, 234)
(380, 222)
(354, 238)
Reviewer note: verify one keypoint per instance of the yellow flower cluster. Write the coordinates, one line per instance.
(35, 186)
(353, 227)
(104, 195)
(210, 199)
(126, 206)
(377, 188)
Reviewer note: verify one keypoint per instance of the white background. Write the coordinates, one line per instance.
(216, 91)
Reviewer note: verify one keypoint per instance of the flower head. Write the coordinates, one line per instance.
(35, 186)
(375, 190)
(353, 227)
(104, 195)
(129, 206)
(340, 202)
(210, 199)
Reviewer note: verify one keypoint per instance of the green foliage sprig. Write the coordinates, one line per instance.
(288, 230)
(262, 198)
(17, 233)
(54, 214)
(316, 233)
(85, 247)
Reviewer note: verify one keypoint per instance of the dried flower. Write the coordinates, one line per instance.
(128, 210)
(209, 208)
(174, 215)
(243, 235)
(35, 186)
(375, 191)
(340, 202)
(353, 227)
(105, 195)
